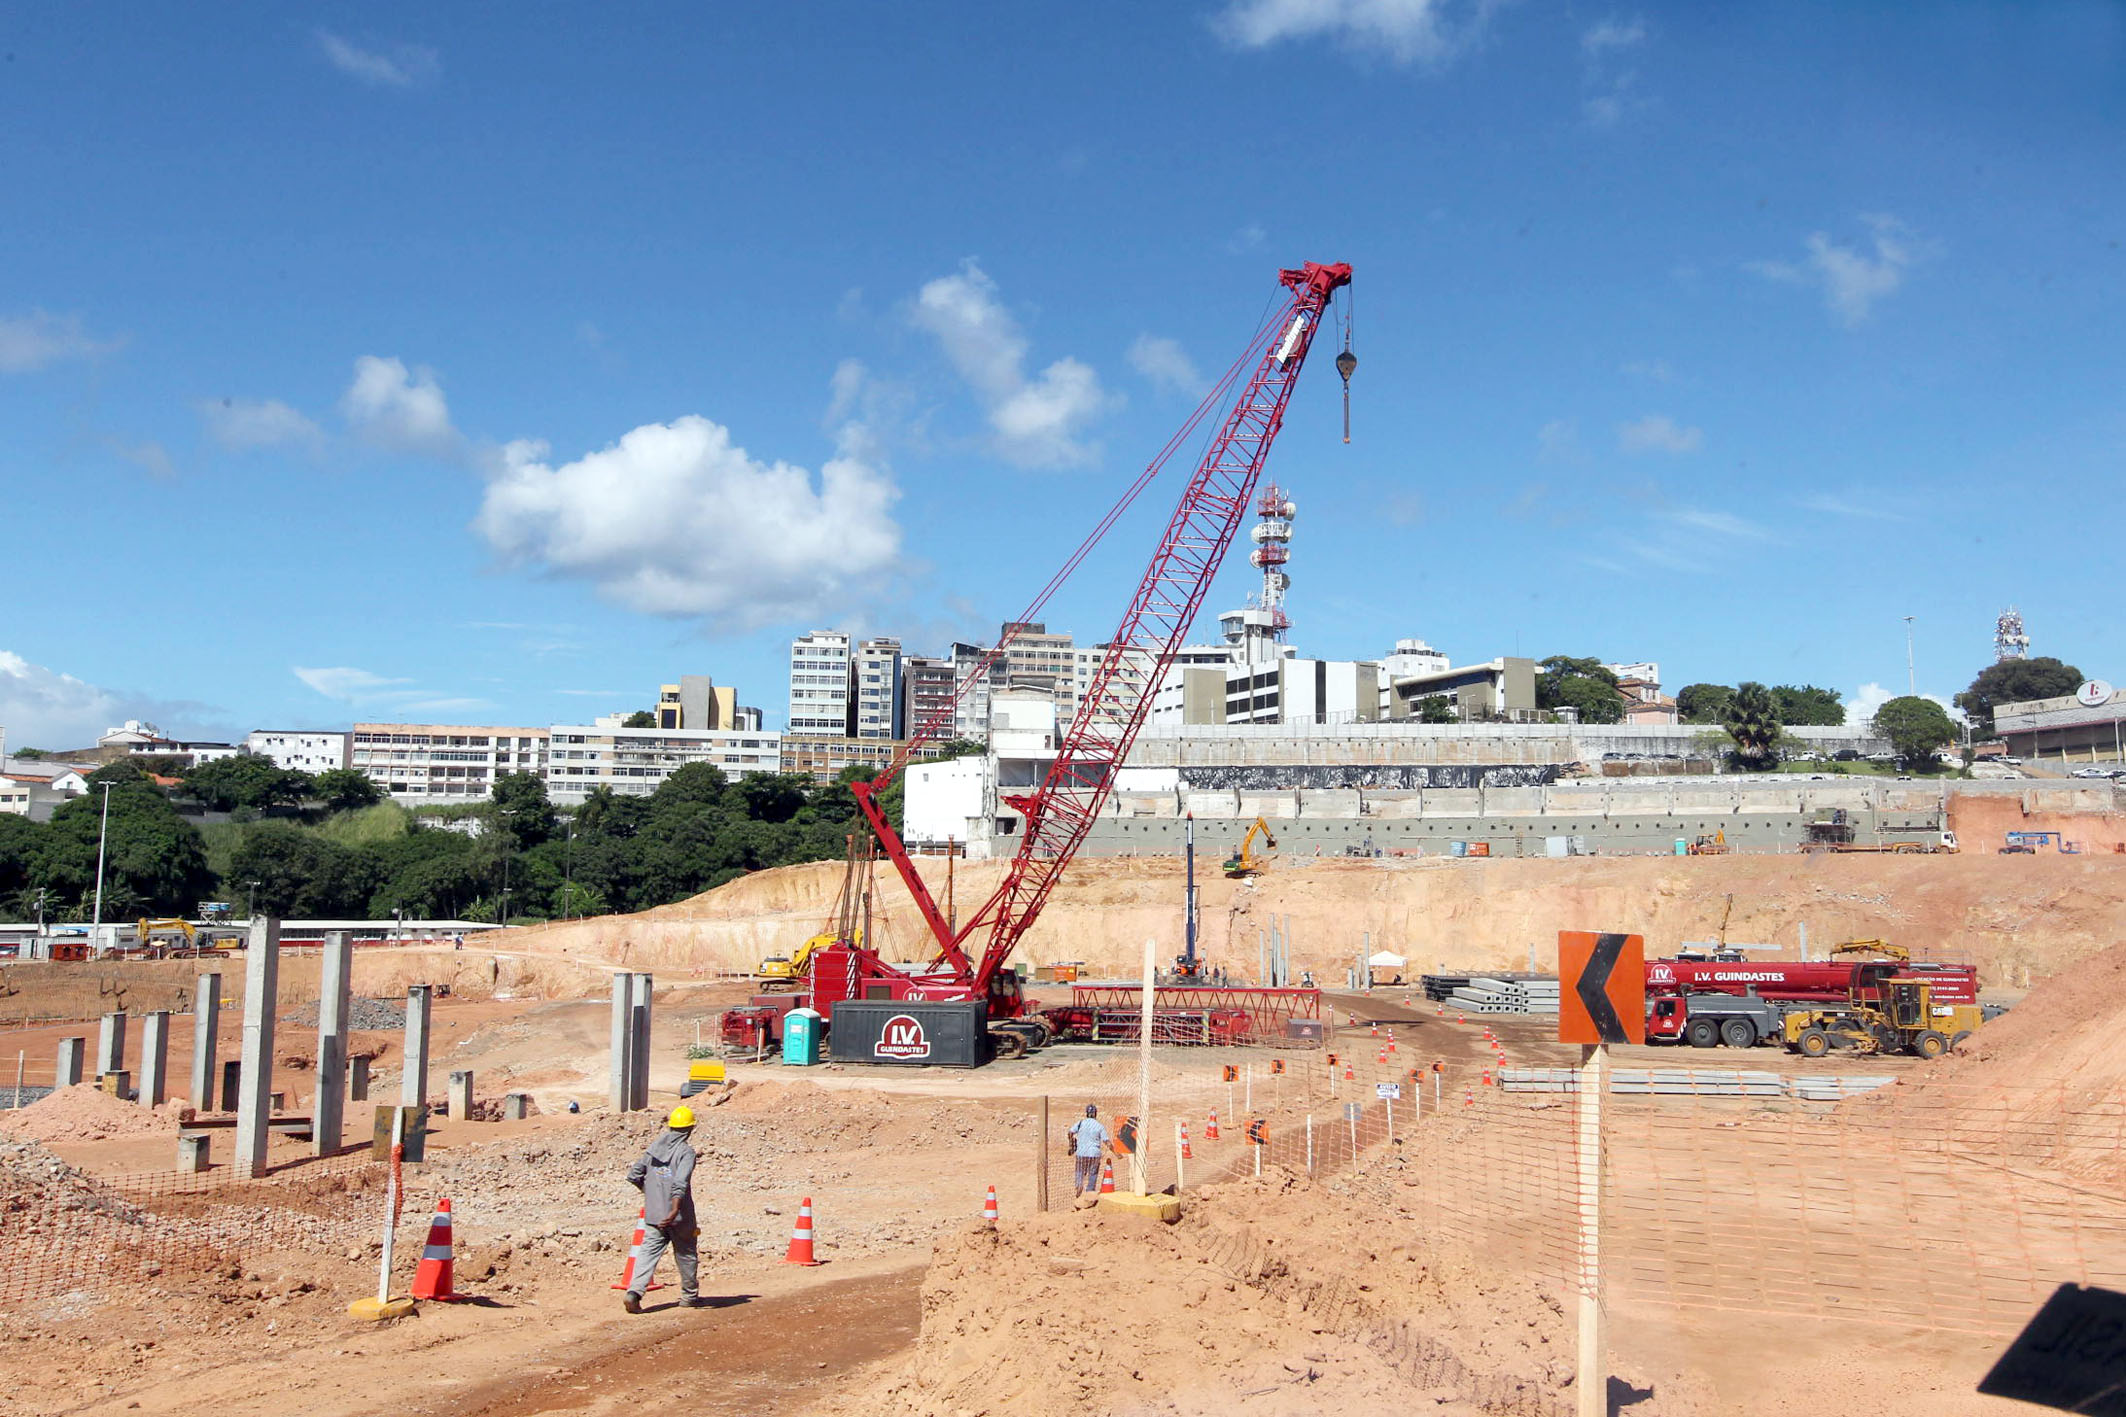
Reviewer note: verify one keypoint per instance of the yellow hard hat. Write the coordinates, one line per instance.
(681, 1118)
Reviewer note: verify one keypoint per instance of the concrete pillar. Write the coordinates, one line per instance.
(357, 1079)
(232, 1078)
(262, 966)
(515, 1106)
(335, 998)
(413, 1086)
(110, 1044)
(69, 1073)
(192, 1153)
(622, 1066)
(154, 1058)
(206, 1037)
(460, 1097)
(639, 1048)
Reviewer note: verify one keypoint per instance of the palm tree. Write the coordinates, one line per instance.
(1753, 722)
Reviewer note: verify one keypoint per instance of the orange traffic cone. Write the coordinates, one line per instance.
(801, 1236)
(1383, 1056)
(1487, 1077)
(1374, 1030)
(1349, 1076)
(1468, 1097)
(1107, 1177)
(431, 1280)
(1210, 1130)
(1461, 1018)
(634, 1257)
(1443, 1008)
(989, 1207)
(1391, 1043)
(1186, 1154)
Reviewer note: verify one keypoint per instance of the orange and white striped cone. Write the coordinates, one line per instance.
(1373, 1031)
(1107, 1176)
(1186, 1154)
(1487, 1077)
(1442, 1011)
(801, 1236)
(634, 1257)
(1383, 1057)
(989, 1207)
(1461, 1018)
(1391, 1043)
(1468, 1097)
(431, 1279)
(1210, 1129)
(1349, 1076)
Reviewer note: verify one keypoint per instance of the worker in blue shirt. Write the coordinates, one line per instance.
(1087, 1138)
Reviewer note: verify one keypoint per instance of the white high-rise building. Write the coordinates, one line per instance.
(819, 683)
(297, 749)
(875, 683)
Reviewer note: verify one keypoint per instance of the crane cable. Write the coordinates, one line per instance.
(933, 729)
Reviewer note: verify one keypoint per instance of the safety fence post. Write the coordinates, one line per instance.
(1040, 1156)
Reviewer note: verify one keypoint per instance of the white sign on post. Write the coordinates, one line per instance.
(1386, 1090)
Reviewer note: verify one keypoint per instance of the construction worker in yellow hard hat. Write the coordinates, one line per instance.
(665, 1176)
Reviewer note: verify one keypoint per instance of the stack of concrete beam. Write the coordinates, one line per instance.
(1504, 994)
(1697, 1082)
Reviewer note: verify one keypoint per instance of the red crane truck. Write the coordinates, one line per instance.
(1061, 812)
(1726, 998)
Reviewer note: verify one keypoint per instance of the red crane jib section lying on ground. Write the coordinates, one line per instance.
(1061, 812)
(1807, 981)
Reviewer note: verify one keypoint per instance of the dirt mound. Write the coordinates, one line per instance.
(85, 1113)
(2066, 1033)
(1271, 1297)
(844, 1119)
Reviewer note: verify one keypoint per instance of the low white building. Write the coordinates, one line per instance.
(635, 761)
(443, 762)
(34, 786)
(298, 750)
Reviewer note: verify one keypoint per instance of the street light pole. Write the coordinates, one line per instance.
(103, 834)
(1911, 675)
(250, 902)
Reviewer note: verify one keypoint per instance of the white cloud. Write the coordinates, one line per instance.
(1717, 523)
(1558, 441)
(150, 457)
(244, 424)
(400, 411)
(33, 341)
(1249, 238)
(399, 66)
(1405, 31)
(43, 708)
(1852, 279)
(346, 683)
(1612, 34)
(1861, 705)
(675, 519)
(1654, 371)
(1166, 365)
(1658, 433)
(1037, 422)
(1836, 506)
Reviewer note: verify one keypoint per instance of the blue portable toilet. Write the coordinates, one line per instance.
(802, 1031)
(1682, 847)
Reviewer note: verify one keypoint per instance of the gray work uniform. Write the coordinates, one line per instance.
(1087, 1136)
(665, 1176)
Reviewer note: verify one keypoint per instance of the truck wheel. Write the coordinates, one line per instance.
(1930, 1044)
(1738, 1033)
(1702, 1033)
(1812, 1043)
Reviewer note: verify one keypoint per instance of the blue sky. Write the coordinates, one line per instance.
(482, 364)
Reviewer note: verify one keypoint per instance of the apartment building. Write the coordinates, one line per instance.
(697, 701)
(298, 750)
(820, 700)
(875, 709)
(927, 686)
(444, 762)
(634, 762)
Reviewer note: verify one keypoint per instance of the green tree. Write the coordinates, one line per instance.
(1435, 708)
(522, 810)
(246, 780)
(1753, 725)
(1579, 684)
(2015, 681)
(301, 874)
(773, 796)
(154, 861)
(1704, 703)
(18, 854)
(344, 789)
(640, 718)
(1916, 727)
(1805, 705)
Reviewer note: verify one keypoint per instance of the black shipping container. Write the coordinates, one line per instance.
(904, 1031)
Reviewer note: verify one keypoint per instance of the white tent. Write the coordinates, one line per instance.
(1385, 960)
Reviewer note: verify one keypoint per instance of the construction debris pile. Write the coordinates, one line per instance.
(362, 1014)
(85, 1113)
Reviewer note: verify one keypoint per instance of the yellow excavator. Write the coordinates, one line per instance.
(1245, 862)
(148, 930)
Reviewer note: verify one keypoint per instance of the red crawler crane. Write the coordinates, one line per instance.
(1061, 812)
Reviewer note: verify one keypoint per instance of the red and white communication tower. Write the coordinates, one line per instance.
(1273, 548)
